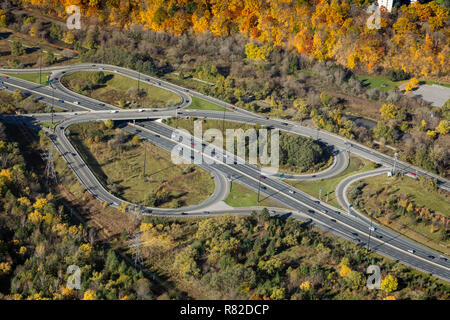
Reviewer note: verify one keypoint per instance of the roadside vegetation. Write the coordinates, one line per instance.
(200, 104)
(16, 103)
(264, 257)
(43, 239)
(415, 208)
(119, 90)
(117, 159)
(32, 77)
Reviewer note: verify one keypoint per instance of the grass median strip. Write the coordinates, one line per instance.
(241, 196)
(200, 104)
(328, 186)
(32, 77)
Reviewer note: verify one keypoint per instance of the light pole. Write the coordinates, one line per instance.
(139, 79)
(395, 162)
(40, 66)
(53, 101)
(259, 186)
(223, 122)
(370, 231)
(145, 158)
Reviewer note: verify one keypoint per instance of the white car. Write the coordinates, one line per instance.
(101, 68)
(291, 191)
(411, 250)
(76, 102)
(116, 71)
(114, 111)
(372, 229)
(141, 110)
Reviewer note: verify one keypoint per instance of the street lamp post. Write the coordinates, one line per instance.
(370, 231)
(139, 79)
(53, 101)
(145, 158)
(395, 163)
(259, 186)
(40, 66)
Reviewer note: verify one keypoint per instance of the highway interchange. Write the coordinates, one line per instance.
(354, 227)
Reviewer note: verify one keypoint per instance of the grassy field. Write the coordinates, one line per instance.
(121, 170)
(379, 82)
(379, 190)
(117, 90)
(241, 196)
(436, 201)
(200, 104)
(32, 77)
(312, 188)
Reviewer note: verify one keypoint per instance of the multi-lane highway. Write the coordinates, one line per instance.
(380, 239)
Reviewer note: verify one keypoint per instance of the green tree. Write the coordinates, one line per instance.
(49, 58)
(17, 48)
(55, 32)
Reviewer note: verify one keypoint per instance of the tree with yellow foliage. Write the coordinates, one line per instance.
(35, 217)
(389, 284)
(135, 141)
(40, 203)
(89, 295)
(432, 134)
(345, 270)
(305, 286)
(254, 52)
(388, 111)
(6, 173)
(277, 294)
(5, 267)
(443, 127)
(412, 84)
